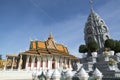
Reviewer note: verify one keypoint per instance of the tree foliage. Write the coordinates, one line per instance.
(83, 49)
(117, 46)
(110, 43)
(92, 46)
(113, 45)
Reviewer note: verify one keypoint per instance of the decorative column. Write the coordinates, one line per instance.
(56, 62)
(70, 66)
(20, 63)
(5, 64)
(65, 64)
(44, 63)
(27, 61)
(13, 62)
(50, 62)
(33, 61)
(61, 63)
(38, 63)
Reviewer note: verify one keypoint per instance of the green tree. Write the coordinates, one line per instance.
(83, 49)
(92, 46)
(117, 46)
(110, 43)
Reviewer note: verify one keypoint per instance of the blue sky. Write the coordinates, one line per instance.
(22, 20)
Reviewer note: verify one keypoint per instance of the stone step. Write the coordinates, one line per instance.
(102, 66)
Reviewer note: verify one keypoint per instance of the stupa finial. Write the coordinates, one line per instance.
(51, 36)
(91, 5)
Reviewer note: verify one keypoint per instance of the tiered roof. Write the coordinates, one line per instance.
(48, 47)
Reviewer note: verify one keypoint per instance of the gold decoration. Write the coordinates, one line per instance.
(106, 54)
(112, 62)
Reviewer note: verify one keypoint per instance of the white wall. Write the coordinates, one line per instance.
(15, 75)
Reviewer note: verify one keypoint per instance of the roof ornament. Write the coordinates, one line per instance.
(91, 5)
(50, 36)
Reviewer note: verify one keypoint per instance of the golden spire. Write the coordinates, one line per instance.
(50, 36)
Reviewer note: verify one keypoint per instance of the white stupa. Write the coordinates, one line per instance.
(56, 75)
(97, 74)
(83, 74)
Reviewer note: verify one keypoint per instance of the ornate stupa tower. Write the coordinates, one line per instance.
(95, 28)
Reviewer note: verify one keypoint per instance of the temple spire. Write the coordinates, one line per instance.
(91, 5)
(50, 36)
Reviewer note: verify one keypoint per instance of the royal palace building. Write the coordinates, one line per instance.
(42, 55)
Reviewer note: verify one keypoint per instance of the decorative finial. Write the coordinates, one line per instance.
(91, 7)
(50, 36)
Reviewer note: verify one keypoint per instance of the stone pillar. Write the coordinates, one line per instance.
(13, 62)
(70, 66)
(33, 61)
(38, 63)
(20, 63)
(65, 65)
(50, 62)
(61, 63)
(56, 62)
(44, 63)
(5, 64)
(27, 61)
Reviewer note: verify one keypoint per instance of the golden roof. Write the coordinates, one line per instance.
(47, 47)
(48, 44)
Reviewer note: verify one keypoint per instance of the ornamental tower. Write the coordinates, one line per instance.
(95, 29)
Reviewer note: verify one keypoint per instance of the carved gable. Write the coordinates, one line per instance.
(50, 42)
